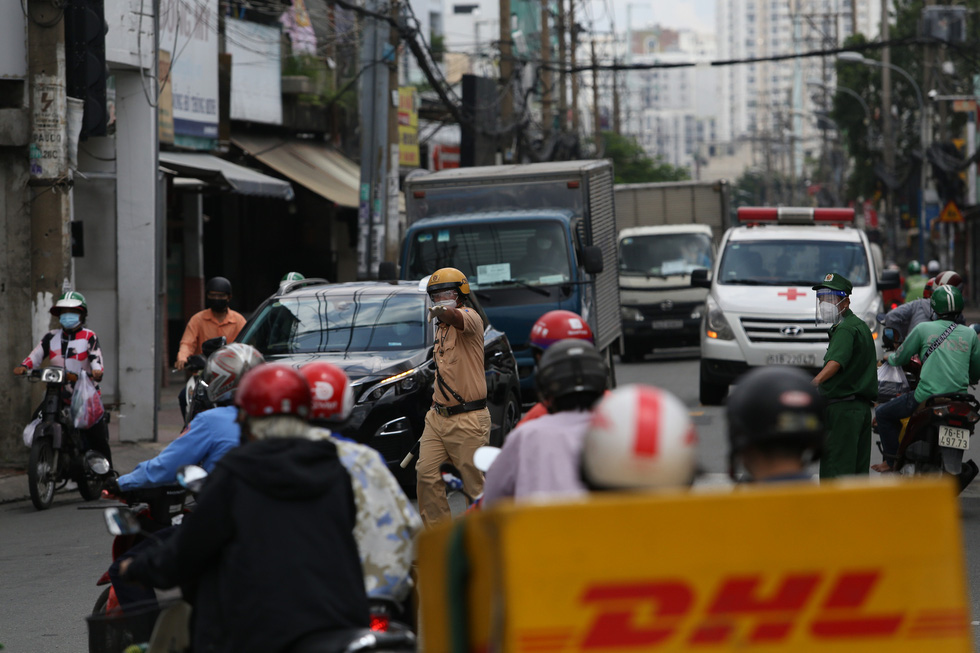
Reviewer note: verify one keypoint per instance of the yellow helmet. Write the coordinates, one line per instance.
(444, 278)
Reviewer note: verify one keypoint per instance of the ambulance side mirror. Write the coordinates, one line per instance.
(701, 278)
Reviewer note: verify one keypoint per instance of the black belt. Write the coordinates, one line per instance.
(837, 400)
(469, 406)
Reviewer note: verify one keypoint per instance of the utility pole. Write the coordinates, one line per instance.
(547, 116)
(888, 142)
(506, 81)
(615, 90)
(596, 122)
(562, 75)
(573, 47)
(392, 238)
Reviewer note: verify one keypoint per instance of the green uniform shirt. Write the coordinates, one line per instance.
(914, 285)
(852, 346)
(951, 367)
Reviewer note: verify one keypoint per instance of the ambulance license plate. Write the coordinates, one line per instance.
(802, 360)
(954, 438)
(667, 324)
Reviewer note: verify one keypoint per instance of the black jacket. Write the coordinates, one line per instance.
(269, 550)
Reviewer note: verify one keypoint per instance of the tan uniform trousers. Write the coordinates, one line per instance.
(449, 439)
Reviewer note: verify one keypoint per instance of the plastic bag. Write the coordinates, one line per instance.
(29, 432)
(86, 404)
(891, 382)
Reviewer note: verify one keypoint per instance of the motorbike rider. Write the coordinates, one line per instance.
(386, 521)
(540, 458)
(76, 349)
(550, 328)
(775, 424)
(215, 320)
(909, 315)
(950, 355)
(640, 438)
(458, 423)
(915, 281)
(268, 558)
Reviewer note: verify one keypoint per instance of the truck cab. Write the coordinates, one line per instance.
(761, 309)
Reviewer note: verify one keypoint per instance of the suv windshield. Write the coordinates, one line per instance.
(494, 254)
(792, 262)
(332, 323)
(664, 254)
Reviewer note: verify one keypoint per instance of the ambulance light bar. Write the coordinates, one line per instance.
(794, 215)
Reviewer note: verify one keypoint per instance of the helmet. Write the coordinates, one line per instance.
(946, 300)
(70, 299)
(218, 284)
(777, 404)
(558, 325)
(570, 366)
(444, 278)
(914, 267)
(932, 267)
(332, 395)
(927, 289)
(274, 389)
(225, 368)
(292, 276)
(640, 437)
(949, 278)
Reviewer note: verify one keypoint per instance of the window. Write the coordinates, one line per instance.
(465, 9)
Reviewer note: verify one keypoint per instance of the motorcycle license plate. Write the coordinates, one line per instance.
(950, 436)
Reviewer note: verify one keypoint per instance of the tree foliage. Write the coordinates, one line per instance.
(633, 166)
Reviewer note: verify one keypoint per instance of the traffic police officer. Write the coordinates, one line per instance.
(848, 381)
(458, 423)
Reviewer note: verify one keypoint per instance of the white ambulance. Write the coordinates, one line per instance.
(761, 309)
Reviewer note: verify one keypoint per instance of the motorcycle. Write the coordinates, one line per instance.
(196, 388)
(58, 454)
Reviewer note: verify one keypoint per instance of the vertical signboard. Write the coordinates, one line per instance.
(165, 100)
(189, 31)
(408, 128)
(256, 80)
(48, 141)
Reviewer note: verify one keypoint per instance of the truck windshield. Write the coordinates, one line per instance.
(518, 196)
(792, 262)
(664, 254)
(494, 254)
(338, 323)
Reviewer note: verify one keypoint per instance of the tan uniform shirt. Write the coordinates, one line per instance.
(459, 357)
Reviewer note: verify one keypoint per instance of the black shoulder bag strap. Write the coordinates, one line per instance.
(442, 384)
(938, 341)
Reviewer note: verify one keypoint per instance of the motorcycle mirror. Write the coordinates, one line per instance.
(121, 521)
(484, 457)
(97, 463)
(196, 362)
(880, 317)
(212, 345)
(191, 477)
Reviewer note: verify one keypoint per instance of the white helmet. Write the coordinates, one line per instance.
(226, 367)
(932, 267)
(641, 437)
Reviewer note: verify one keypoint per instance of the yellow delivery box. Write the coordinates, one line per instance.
(846, 566)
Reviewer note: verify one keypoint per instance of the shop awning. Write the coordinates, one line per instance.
(237, 178)
(311, 164)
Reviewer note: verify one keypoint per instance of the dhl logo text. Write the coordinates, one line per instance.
(744, 610)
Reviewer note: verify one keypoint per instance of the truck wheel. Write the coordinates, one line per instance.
(712, 394)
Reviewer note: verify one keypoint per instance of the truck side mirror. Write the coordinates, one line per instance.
(701, 278)
(890, 280)
(387, 271)
(592, 259)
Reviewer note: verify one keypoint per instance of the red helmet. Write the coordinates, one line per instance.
(927, 289)
(273, 389)
(558, 325)
(949, 278)
(330, 389)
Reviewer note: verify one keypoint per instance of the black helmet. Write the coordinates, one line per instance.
(570, 366)
(218, 284)
(776, 405)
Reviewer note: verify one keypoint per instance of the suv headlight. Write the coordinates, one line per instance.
(400, 383)
(631, 314)
(715, 324)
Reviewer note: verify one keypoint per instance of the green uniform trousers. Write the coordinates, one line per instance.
(847, 449)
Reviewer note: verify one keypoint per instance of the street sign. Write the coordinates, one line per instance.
(951, 213)
(964, 106)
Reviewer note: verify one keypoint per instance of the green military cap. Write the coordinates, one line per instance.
(834, 281)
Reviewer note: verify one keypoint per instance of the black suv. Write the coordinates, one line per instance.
(377, 332)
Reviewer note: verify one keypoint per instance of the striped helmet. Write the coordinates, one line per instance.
(946, 300)
(949, 278)
(226, 367)
(70, 299)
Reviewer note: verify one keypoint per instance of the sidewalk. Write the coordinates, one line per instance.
(125, 455)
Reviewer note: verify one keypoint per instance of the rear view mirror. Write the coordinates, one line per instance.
(890, 280)
(701, 278)
(196, 362)
(121, 521)
(212, 345)
(592, 259)
(387, 271)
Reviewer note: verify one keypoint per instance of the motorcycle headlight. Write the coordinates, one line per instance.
(52, 375)
(715, 324)
(631, 314)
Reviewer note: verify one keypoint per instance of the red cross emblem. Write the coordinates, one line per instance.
(791, 294)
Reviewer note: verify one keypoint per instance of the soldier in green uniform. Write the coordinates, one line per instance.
(848, 381)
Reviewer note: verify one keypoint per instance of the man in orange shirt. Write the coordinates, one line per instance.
(216, 320)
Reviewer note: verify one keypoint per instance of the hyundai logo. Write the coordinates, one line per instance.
(666, 305)
(791, 331)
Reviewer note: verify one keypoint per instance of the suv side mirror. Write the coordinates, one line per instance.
(701, 278)
(592, 259)
(387, 271)
(890, 280)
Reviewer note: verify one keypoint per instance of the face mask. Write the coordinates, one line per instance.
(829, 312)
(448, 303)
(70, 320)
(217, 305)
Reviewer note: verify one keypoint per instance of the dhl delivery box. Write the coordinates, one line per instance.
(847, 566)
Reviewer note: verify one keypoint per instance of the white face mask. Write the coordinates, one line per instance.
(829, 312)
(448, 303)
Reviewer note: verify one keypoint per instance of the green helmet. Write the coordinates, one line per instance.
(292, 276)
(914, 267)
(946, 300)
(71, 299)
